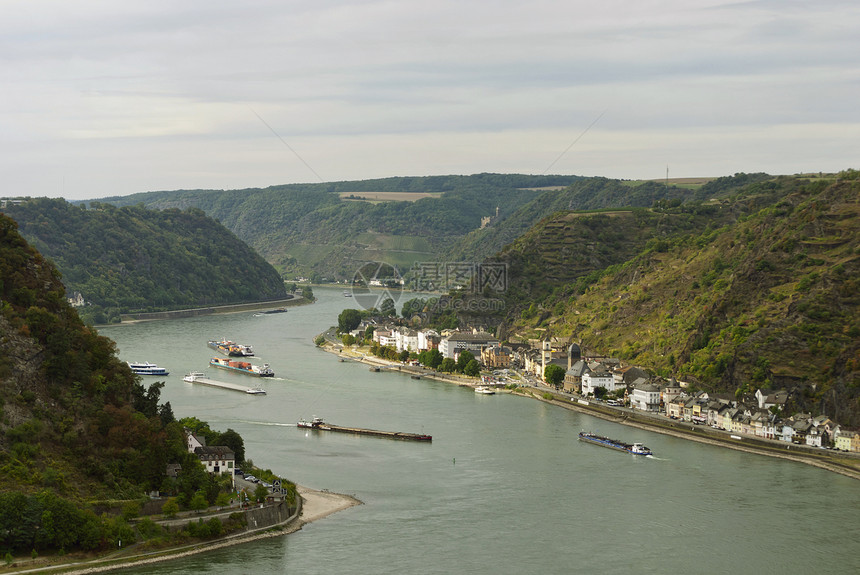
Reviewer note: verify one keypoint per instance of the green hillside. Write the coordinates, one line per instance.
(74, 419)
(760, 290)
(82, 442)
(136, 259)
(315, 231)
(583, 195)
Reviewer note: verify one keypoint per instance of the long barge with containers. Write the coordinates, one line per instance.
(318, 424)
(231, 348)
(242, 367)
(634, 448)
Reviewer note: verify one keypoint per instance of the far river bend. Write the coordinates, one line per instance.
(504, 487)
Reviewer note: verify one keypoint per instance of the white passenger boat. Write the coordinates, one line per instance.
(146, 368)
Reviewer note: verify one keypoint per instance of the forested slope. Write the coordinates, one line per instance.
(136, 259)
(762, 292)
(316, 230)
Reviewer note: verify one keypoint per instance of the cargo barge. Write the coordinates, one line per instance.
(319, 424)
(197, 377)
(231, 348)
(634, 448)
(242, 367)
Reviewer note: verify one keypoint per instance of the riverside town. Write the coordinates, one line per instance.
(590, 378)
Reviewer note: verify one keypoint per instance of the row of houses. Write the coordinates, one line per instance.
(450, 343)
(585, 375)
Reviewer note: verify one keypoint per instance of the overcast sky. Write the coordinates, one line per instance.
(107, 97)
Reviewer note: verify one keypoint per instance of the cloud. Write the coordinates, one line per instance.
(118, 97)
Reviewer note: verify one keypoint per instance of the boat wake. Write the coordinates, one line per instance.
(268, 423)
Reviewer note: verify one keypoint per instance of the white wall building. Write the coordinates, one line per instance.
(646, 397)
(594, 379)
(455, 343)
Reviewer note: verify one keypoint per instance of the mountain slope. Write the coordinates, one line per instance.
(74, 419)
(765, 298)
(131, 258)
(331, 229)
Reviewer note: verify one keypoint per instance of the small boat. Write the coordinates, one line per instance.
(634, 448)
(242, 367)
(347, 294)
(146, 368)
(485, 390)
(193, 376)
(313, 424)
(255, 391)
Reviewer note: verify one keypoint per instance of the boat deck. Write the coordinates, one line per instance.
(321, 426)
(223, 385)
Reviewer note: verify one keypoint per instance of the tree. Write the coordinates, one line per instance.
(260, 493)
(198, 502)
(235, 442)
(553, 374)
(387, 308)
(348, 320)
(447, 365)
(413, 306)
(430, 358)
(308, 293)
(463, 359)
(473, 368)
(404, 355)
(170, 507)
(347, 339)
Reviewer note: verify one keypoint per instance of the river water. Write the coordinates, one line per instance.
(504, 487)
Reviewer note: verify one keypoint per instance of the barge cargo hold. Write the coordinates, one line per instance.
(231, 348)
(242, 367)
(634, 448)
(319, 424)
(198, 377)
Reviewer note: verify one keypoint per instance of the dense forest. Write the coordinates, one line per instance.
(137, 259)
(82, 441)
(757, 290)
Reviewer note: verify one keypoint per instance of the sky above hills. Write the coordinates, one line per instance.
(103, 98)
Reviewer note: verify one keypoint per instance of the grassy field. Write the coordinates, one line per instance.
(688, 183)
(389, 196)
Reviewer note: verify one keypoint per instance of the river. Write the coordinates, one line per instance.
(504, 487)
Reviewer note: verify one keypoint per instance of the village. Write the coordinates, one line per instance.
(616, 385)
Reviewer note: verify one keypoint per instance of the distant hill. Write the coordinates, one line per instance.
(330, 230)
(136, 259)
(590, 194)
(758, 290)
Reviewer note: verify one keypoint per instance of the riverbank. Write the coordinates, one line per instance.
(128, 318)
(316, 505)
(844, 465)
